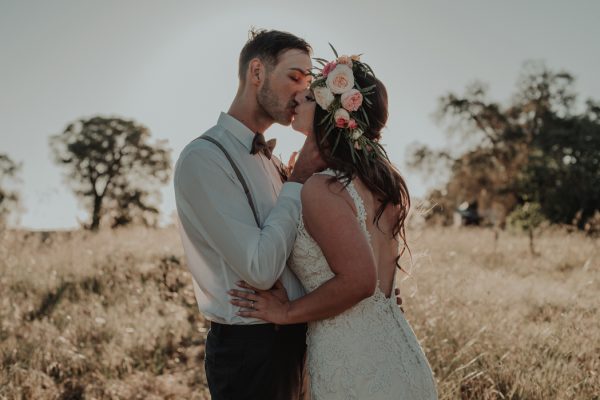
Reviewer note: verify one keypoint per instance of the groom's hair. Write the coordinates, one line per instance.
(267, 45)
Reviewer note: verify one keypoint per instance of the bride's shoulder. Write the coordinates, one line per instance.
(321, 191)
(321, 184)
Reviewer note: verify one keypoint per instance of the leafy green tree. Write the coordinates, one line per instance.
(9, 199)
(563, 169)
(538, 148)
(113, 168)
(527, 217)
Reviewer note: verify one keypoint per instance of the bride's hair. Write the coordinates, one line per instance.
(378, 174)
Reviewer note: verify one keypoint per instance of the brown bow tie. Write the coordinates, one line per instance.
(259, 144)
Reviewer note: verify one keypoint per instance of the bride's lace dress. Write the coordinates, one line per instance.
(367, 352)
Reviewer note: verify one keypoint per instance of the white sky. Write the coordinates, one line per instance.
(171, 65)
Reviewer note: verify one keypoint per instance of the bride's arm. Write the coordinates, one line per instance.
(331, 221)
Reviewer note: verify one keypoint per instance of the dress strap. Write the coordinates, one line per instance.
(360, 208)
(327, 171)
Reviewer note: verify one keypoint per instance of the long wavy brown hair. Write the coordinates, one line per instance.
(378, 174)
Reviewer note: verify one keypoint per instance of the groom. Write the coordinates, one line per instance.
(239, 221)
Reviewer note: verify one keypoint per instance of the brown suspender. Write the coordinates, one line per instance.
(239, 175)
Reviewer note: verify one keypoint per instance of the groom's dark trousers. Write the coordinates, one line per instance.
(256, 362)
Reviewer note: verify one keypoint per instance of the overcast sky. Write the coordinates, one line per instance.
(171, 65)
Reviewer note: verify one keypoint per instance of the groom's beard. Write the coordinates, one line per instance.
(271, 105)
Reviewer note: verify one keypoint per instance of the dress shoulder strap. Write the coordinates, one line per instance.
(327, 171)
(360, 208)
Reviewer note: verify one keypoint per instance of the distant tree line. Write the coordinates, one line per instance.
(537, 158)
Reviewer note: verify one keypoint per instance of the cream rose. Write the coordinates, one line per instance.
(357, 133)
(341, 118)
(323, 96)
(345, 60)
(341, 79)
(352, 99)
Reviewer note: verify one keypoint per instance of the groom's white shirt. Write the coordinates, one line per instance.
(221, 240)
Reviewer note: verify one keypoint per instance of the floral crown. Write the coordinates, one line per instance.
(337, 92)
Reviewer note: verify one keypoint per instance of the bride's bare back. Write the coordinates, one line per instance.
(385, 247)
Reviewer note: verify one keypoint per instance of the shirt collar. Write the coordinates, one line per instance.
(240, 131)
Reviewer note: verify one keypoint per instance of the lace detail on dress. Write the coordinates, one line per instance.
(367, 352)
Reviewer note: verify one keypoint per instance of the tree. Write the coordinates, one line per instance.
(9, 199)
(113, 168)
(527, 217)
(563, 169)
(537, 149)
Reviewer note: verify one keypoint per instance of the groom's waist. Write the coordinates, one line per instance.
(254, 330)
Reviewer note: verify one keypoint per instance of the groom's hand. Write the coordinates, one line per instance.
(309, 161)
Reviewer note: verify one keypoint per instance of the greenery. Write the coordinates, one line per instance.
(113, 169)
(538, 148)
(527, 217)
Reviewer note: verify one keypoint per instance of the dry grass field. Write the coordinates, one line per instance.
(112, 315)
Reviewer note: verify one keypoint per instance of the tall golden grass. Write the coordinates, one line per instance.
(112, 315)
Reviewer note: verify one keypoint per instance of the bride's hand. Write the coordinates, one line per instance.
(279, 291)
(269, 305)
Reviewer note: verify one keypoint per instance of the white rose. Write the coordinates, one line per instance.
(357, 133)
(341, 79)
(323, 96)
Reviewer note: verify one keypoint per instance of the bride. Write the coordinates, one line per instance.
(348, 247)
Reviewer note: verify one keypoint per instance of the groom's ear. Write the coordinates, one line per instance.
(256, 71)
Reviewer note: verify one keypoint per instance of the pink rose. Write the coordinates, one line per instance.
(341, 118)
(352, 124)
(328, 68)
(352, 99)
